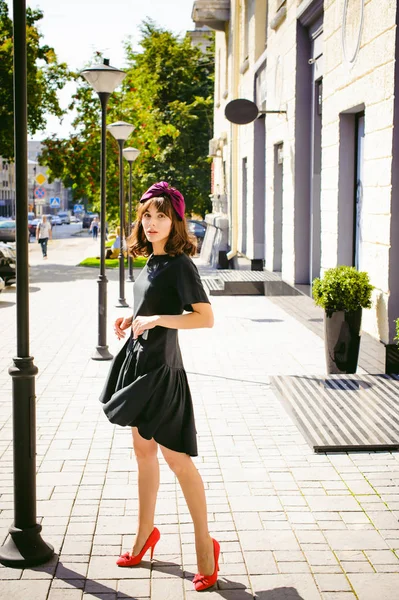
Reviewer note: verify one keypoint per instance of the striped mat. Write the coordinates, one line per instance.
(343, 412)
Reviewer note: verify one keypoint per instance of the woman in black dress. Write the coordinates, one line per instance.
(147, 386)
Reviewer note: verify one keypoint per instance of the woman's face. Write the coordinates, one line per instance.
(156, 227)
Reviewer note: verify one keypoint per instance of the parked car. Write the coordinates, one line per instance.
(198, 229)
(7, 231)
(56, 220)
(87, 219)
(32, 227)
(65, 217)
(7, 263)
(74, 219)
(2, 284)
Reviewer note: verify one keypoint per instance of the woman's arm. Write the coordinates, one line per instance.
(202, 316)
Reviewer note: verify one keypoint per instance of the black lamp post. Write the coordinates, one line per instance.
(103, 79)
(25, 546)
(130, 154)
(121, 131)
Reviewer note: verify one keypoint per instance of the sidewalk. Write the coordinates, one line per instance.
(292, 524)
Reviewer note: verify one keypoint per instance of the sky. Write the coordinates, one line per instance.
(77, 28)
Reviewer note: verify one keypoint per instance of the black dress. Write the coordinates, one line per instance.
(147, 385)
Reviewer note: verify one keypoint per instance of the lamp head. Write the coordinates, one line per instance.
(103, 78)
(120, 130)
(130, 154)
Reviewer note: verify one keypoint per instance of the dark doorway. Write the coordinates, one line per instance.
(359, 173)
(244, 205)
(278, 208)
(315, 189)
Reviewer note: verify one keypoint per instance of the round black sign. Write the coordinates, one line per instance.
(241, 111)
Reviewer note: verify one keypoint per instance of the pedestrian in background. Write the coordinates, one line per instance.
(94, 225)
(43, 234)
(147, 385)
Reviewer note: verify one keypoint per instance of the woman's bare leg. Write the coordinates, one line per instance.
(148, 484)
(193, 489)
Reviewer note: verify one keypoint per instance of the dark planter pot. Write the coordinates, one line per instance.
(342, 340)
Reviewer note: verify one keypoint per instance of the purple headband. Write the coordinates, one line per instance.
(162, 188)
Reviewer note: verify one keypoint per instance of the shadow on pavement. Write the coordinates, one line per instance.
(5, 304)
(239, 380)
(226, 588)
(266, 320)
(59, 273)
(257, 320)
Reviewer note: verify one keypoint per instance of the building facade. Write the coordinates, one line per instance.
(40, 192)
(7, 189)
(313, 182)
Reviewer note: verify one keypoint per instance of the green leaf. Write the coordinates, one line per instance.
(342, 288)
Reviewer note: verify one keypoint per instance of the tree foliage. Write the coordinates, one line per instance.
(45, 76)
(168, 96)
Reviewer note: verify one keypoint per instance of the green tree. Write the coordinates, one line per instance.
(76, 160)
(45, 77)
(168, 95)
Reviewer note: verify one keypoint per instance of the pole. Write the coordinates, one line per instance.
(101, 352)
(33, 190)
(130, 259)
(25, 546)
(121, 300)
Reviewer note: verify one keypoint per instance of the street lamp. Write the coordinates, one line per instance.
(103, 79)
(130, 154)
(121, 131)
(25, 546)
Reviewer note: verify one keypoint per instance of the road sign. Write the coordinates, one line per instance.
(78, 208)
(40, 192)
(40, 178)
(55, 202)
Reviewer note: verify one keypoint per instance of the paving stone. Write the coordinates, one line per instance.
(382, 557)
(101, 586)
(137, 588)
(18, 590)
(293, 567)
(104, 568)
(320, 557)
(357, 567)
(332, 583)
(332, 503)
(99, 596)
(65, 594)
(71, 570)
(375, 585)
(386, 568)
(287, 586)
(226, 594)
(339, 596)
(270, 540)
(167, 589)
(259, 563)
(355, 540)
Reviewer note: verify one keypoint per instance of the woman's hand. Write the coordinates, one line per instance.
(141, 324)
(120, 325)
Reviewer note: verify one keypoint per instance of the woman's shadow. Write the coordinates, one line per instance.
(226, 588)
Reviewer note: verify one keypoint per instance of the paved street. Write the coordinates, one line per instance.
(292, 524)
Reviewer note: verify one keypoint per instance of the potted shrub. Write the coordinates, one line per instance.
(343, 292)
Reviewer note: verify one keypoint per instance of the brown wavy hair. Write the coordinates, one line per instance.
(179, 240)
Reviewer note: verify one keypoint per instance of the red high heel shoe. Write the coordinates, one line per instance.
(203, 582)
(128, 560)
